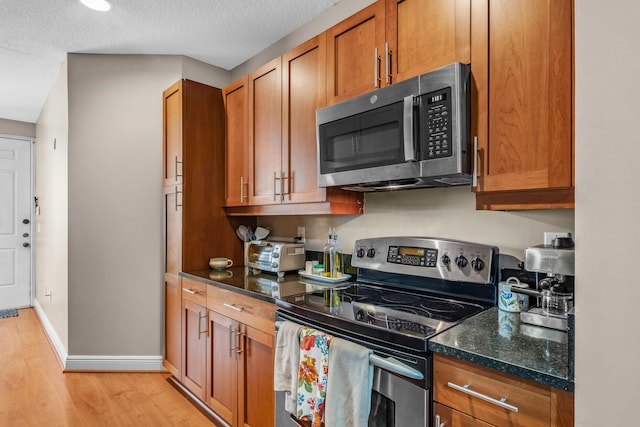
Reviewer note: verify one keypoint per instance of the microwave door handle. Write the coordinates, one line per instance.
(409, 147)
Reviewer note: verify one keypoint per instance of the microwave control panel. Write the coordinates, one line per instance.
(436, 126)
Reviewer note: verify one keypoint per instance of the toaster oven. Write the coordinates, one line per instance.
(275, 257)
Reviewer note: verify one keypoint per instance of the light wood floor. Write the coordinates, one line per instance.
(35, 392)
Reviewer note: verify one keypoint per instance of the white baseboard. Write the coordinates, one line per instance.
(114, 363)
(96, 363)
(51, 333)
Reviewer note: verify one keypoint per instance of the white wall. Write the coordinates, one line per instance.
(51, 222)
(607, 205)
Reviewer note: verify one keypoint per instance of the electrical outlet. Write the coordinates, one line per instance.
(301, 232)
(550, 235)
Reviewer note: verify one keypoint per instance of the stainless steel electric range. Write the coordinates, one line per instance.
(408, 289)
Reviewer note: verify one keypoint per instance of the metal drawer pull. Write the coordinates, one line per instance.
(233, 307)
(502, 402)
(190, 291)
(438, 423)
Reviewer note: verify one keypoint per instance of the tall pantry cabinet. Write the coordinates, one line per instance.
(193, 177)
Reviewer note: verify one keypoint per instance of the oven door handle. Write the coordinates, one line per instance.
(390, 364)
(395, 366)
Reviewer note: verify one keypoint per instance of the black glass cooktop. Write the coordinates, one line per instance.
(410, 314)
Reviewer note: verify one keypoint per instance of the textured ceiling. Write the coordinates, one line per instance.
(35, 36)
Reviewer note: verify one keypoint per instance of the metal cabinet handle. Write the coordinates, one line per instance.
(282, 193)
(232, 330)
(178, 205)
(387, 64)
(233, 307)
(275, 193)
(177, 174)
(502, 402)
(200, 317)
(190, 291)
(376, 68)
(438, 423)
(474, 180)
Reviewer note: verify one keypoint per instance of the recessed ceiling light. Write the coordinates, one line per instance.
(99, 5)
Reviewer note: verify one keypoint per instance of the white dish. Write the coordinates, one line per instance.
(344, 277)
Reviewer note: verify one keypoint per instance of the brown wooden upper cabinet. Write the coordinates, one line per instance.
(521, 62)
(172, 135)
(392, 40)
(236, 106)
(282, 97)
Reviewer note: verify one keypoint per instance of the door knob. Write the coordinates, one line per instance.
(26, 244)
(26, 221)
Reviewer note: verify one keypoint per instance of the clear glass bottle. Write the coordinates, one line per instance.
(328, 253)
(338, 266)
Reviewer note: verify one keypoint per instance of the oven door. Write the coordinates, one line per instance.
(396, 400)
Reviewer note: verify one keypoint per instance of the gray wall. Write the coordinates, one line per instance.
(16, 128)
(607, 204)
(115, 202)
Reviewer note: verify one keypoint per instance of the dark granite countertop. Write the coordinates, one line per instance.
(498, 340)
(493, 338)
(265, 286)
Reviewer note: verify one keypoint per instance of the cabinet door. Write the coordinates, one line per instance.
(236, 102)
(303, 92)
(173, 230)
(194, 347)
(423, 35)
(355, 51)
(222, 372)
(522, 69)
(172, 324)
(172, 134)
(443, 416)
(265, 134)
(256, 396)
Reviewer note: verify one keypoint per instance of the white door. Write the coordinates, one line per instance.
(15, 223)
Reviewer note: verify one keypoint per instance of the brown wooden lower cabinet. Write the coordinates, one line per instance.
(240, 355)
(506, 400)
(194, 336)
(443, 416)
(172, 330)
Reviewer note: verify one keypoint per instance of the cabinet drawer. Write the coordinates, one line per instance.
(245, 309)
(531, 403)
(194, 291)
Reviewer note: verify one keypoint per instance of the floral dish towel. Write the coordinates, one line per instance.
(312, 375)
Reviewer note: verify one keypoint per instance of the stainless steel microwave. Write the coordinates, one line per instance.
(415, 133)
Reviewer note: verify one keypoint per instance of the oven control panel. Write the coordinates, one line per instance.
(427, 257)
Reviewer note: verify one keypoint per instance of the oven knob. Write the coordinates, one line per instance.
(445, 259)
(274, 264)
(360, 252)
(371, 252)
(477, 264)
(461, 261)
